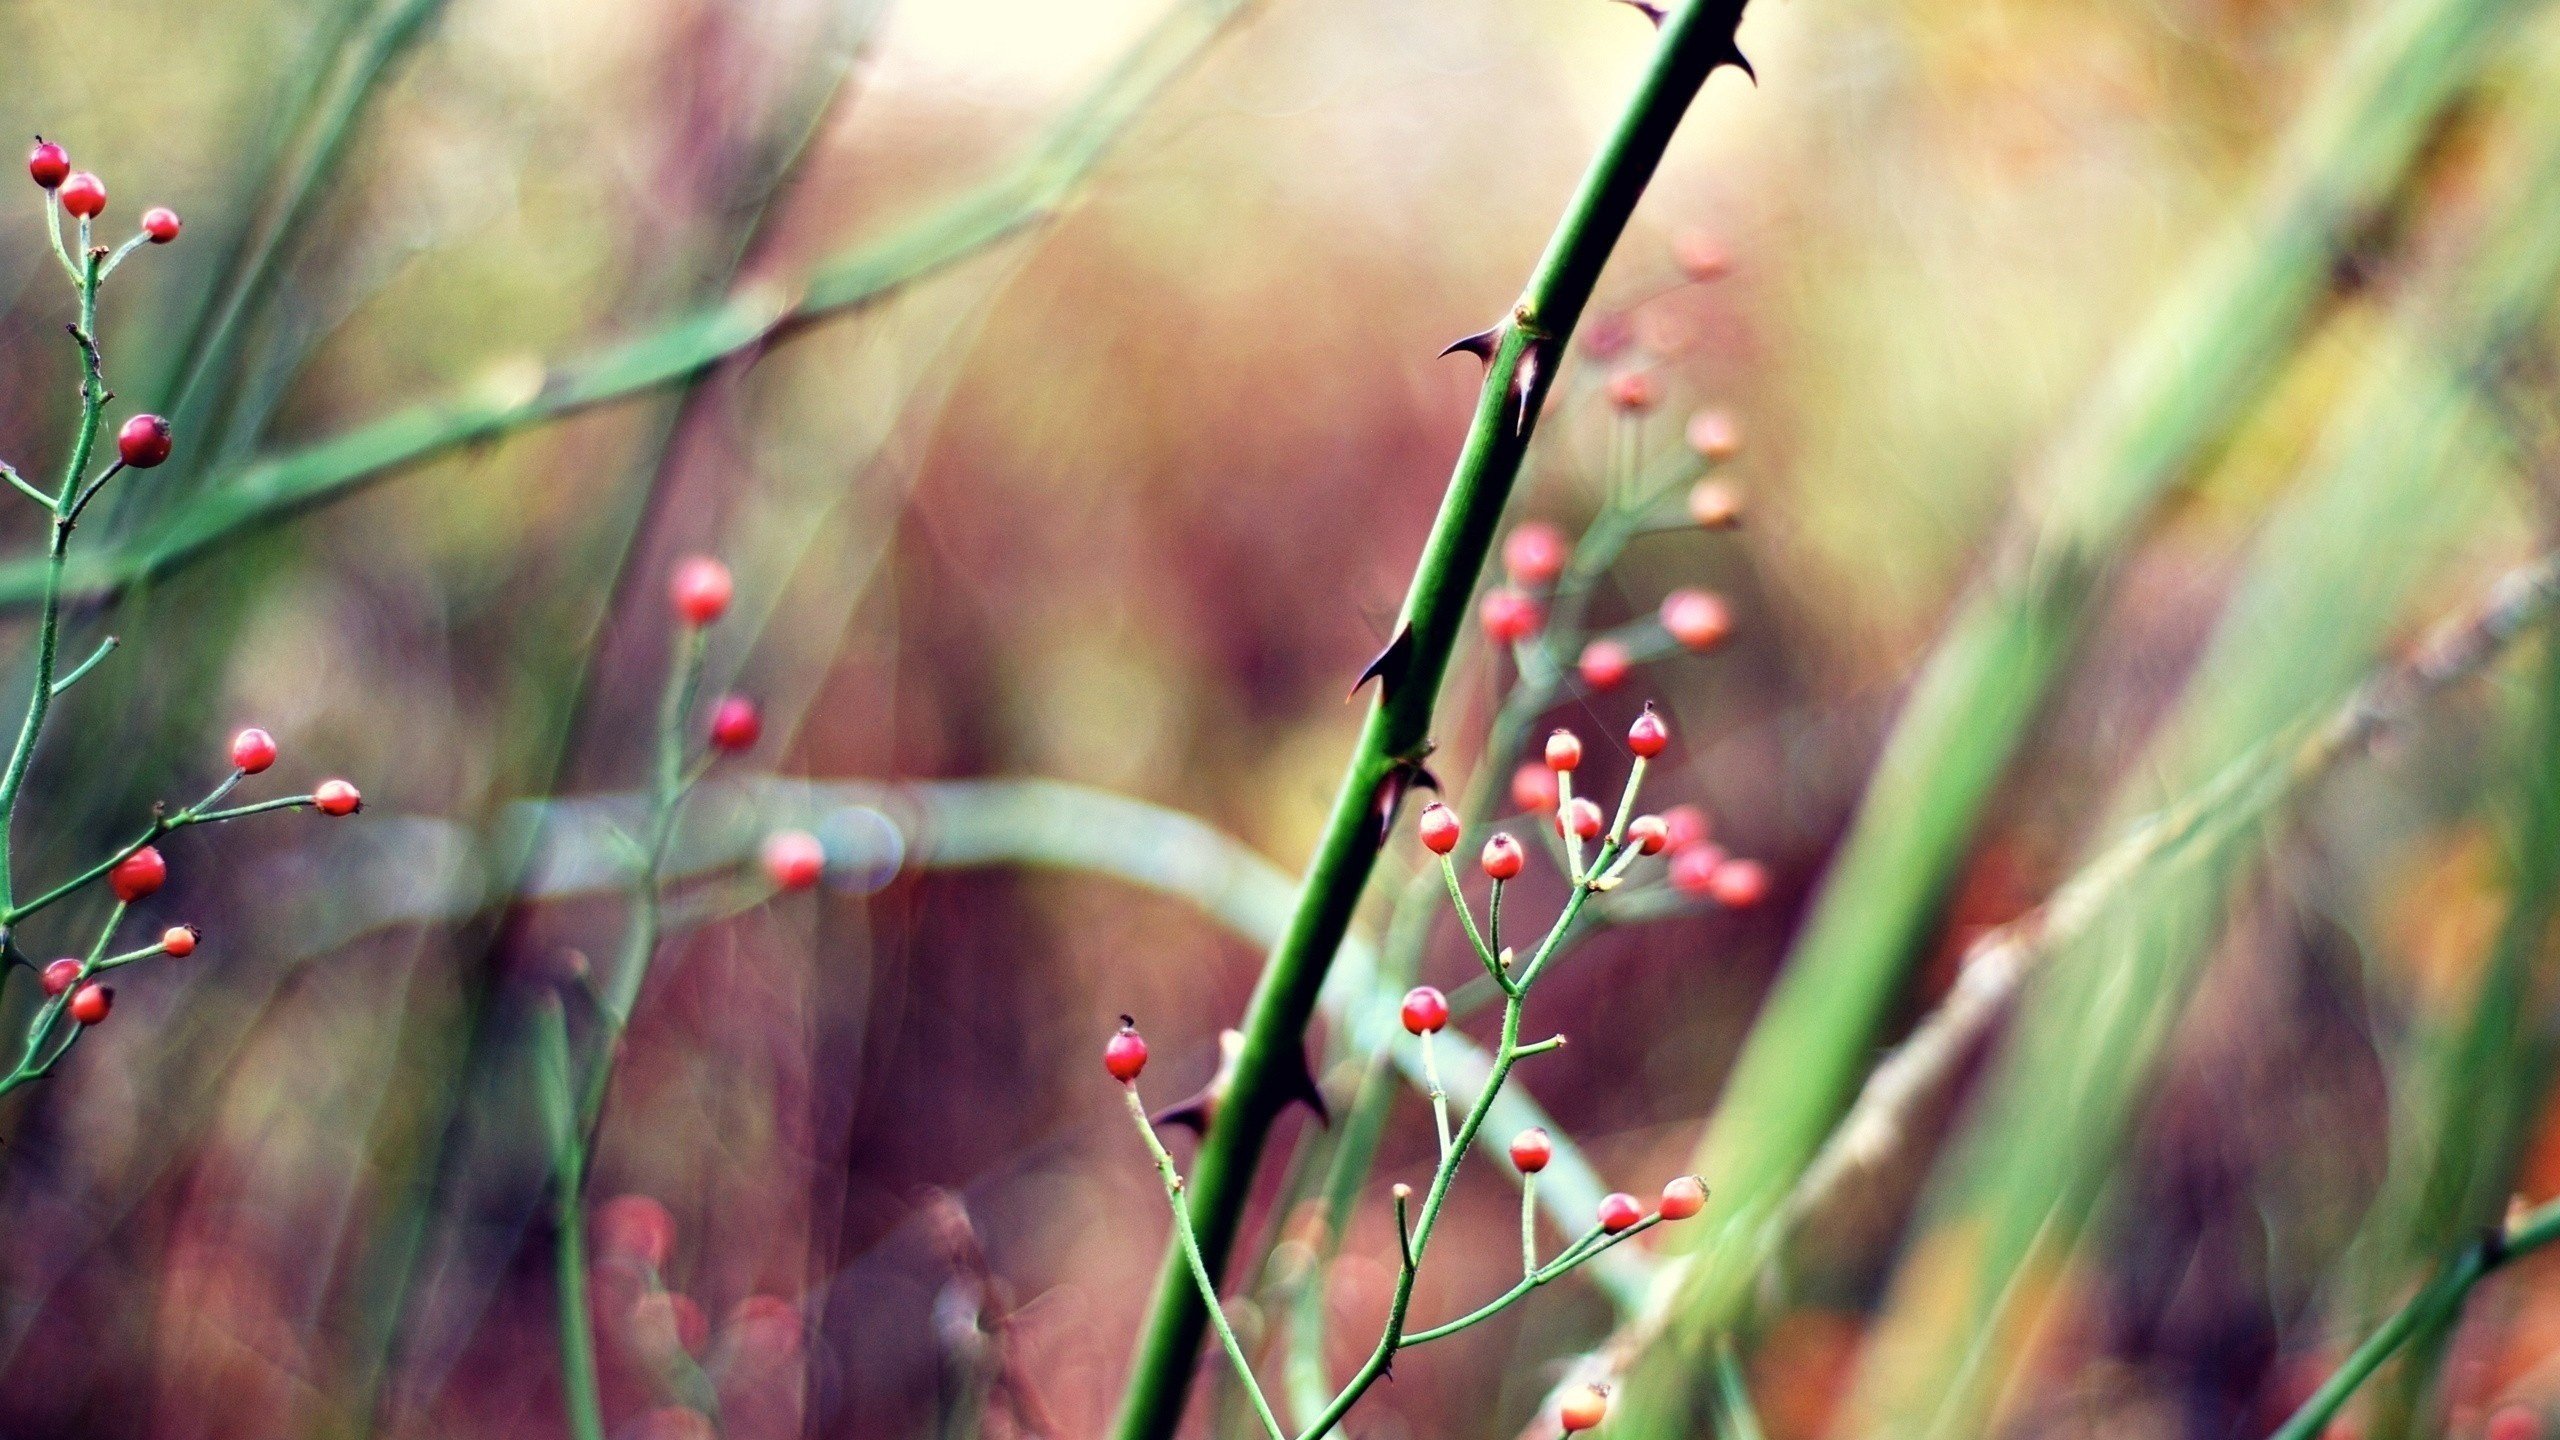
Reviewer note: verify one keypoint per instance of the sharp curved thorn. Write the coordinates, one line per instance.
(1303, 1088)
(1398, 783)
(1192, 1114)
(1524, 382)
(1648, 10)
(1388, 666)
(1481, 344)
(1739, 61)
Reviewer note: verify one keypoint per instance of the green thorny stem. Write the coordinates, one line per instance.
(1607, 868)
(44, 1047)
(1520, 355)
(571, 1107)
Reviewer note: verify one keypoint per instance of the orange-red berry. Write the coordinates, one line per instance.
(1714, 505)
(1586, 1407)
(1700, 257)
(1531, 1149)
(1650, 834)
(1618, 1210)
(1582, 817)
(1696, 619)
(1503, 857)
(161, 224)
(143, 441)
(178, 941)
(701, 590)
(1533, 789)
(794, 859)
(1509, 616)
(60, 975)
(83, 194)
(1692, 870)
(1124, 1055)
(1425, 1010)
(1634, 391)
(1439, 827)
(252, 751)
(2513, 1422)
(337, 797)
(1534, 554)
(1683, 1197)
(1564, 750)
(636, 1227)
(1715, 436)
(48, 163)
(735, 723)
(138, 874)
(1649, 735)
(1684, 826)
(1604, 664)
(1739, 884)
(90, 1003)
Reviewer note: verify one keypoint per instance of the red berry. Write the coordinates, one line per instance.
(794, 859)
(1700, 257)
(1696, 619)
(1650, 834)
(252, 750)
(1533, 789)
(1582, 817)
(1439, 828)
(1739, 884)
(636, 1227)
(1648, 736)
(143, 442)
(1503, 857)
(1693, 869)
(138, 874)
(161, 224)
(1715, 505)
(735, 723)
(1618, 1210)
(1425, 1010)
(1683, 826)
(1683, 1197)
(1534, 554)
(1583, 1409)
(337, 797)
(1531, 1149)
(90, 1003)
(178, 941)
(1634, 391)
(1714, 436)
(2513, 1422)
(48, 163)
(60, 974)
(1564, 750)
(84, 194)
(1125, 1053)
(1509, 617)
(701, 590)
(1604, 664)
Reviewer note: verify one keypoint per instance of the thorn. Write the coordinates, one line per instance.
(1648, 10)
(1524, 381)
(1739, 61)
(1303, 1087)
(1196, 1113)
(1481, 344)
(1399, 782)
(1389, 665)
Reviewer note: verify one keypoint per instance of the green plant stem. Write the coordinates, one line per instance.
(556, 1068)
(1189, 1241)
(160, 825)
(1525, 350)
(1594, 1243)
(2434, 1306)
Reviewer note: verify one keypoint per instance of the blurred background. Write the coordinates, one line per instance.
(1059, 381)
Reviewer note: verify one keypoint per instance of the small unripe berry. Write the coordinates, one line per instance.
(735, 723)
(1739, 884)
(1696, 619)
(1125, 1053)
(636, 1227)
(794, 859)
(252, 751)
(1700, 257)
(143, 441)
(1509, 617)
(1714, 505)
(1564, 750)
(1683, 1197)
(178, 941)
(1534, 553)
(701, 590)
(90, 1003)
(1503, 857)
(84, 194)
(1650, 834)
(1582, 817)
(49, 164)
(161, 224)
(1618, 1210)
(1692, 870)
(138, 874)
(1684, 826)
(1425, 1010)
(1648, 736)
(1533, 789)
(1634, 391)
(1583, 1409)
(1439, 828)
(1531, 1149)
(337, 798)
(60, 975)
(1604, 664)
(1714, 436)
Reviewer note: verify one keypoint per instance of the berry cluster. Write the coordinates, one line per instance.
(700, 591)
(663, 1330)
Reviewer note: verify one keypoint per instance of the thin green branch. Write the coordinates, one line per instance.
(1189, 1242)
(555, 1067)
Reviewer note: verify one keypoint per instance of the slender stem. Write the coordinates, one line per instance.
(71, 677)
(1458, 901)
(1189, 1241)
(1439, 1095)
(1528, 1225)
(160, 825)
(1594, 1243)
(569, 1247)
